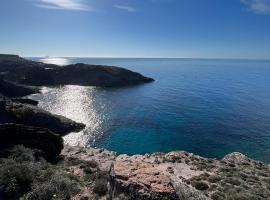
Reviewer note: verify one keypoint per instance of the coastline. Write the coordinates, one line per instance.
(88, 173)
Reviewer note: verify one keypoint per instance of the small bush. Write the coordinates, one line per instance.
(92, 164)
(218, 196)
(233, 181)
(100, 186)
(60, 186)
(200, 185)
(214, 178)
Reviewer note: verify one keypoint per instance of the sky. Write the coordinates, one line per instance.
(136, 28)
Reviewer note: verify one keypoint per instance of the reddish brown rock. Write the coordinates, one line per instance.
(141, 180)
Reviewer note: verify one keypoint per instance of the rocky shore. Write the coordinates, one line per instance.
(36, 165)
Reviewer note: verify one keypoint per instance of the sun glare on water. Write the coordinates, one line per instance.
(79, 104)
(55, 61)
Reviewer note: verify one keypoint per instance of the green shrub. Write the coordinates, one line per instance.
(233, 181)
(25, 174)
(218, 196)
(200, 185)
(59, 186)
(100, 186)
(214, 178)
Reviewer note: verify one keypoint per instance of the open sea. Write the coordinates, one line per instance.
(207, 107)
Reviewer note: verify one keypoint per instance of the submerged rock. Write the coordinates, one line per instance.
(31, 137)
(34, 73)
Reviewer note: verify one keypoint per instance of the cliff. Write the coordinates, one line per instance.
(175, 175)
(19, 70)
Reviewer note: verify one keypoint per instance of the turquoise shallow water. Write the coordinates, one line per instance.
(208, 107)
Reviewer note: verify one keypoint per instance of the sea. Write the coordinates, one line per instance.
(210, 107)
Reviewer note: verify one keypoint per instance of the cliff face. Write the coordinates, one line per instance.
(176, 175)
(17, 69)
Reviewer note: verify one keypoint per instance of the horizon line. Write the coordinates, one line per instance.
(127, 57)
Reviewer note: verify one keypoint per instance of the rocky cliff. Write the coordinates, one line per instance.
(176, 175)
(17, 69)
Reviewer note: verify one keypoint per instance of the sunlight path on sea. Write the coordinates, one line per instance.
(79, 104)
(55, 61)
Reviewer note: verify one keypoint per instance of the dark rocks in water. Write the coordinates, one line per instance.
(31, 137)
(25, 101)
(11, 89)
(34, 73)
(12, 112)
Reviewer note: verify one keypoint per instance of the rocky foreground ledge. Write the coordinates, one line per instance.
(176, 175)
(16, 69)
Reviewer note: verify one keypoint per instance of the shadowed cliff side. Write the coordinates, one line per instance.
(34, 73)
(13, 112)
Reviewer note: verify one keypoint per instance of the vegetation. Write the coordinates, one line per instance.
(25, 174)
(232, 181)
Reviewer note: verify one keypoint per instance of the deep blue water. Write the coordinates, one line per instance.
(208, 107)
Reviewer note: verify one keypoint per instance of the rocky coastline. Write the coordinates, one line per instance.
(16, 69)
(36, 165)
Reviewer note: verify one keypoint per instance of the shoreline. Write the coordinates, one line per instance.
(33, 154)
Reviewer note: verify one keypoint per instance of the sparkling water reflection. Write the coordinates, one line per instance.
(55, 60)
(77, 103)
(207, 107)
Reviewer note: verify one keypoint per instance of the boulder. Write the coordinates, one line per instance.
(31, 137)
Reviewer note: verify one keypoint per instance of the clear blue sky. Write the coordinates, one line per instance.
(136, 28)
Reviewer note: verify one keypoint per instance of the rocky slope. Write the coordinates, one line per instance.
(17, 69)
(176, 175)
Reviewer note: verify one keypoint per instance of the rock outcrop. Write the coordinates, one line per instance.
(177, 175)
(31, 137)
(33, 73)
(11, 90)
(13, 112)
